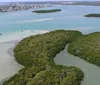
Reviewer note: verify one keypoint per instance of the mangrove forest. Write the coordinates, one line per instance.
(87, 47)
(36, 54)
(47, 11)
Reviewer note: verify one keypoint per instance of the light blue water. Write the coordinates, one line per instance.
(71, 17)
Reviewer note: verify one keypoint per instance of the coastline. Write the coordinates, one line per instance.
(21, 6)
(9, 65)
(19, 35)
(10, 50)
(7, 45)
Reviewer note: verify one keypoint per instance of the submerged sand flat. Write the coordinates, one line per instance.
(8, 65)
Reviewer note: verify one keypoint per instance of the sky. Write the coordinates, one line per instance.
(43, 0)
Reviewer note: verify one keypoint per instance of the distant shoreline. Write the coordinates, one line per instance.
(19, 6)
(9, 53)
(92, 15)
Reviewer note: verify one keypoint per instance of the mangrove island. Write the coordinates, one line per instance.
(92, 15)
(47, 11)
(36, 53)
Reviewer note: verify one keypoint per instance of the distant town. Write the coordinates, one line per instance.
(15, 6)
(21, 6)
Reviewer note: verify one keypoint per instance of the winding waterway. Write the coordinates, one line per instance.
(91, 72)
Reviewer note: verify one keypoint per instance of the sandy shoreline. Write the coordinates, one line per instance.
(8, 64)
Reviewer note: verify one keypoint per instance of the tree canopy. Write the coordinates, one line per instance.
(36, 53)
(87, 47)
(47, 11)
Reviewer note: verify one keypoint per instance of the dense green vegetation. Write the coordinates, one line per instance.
(87, 47)
(36, 53)
(30, 50)
(59, 75)
(47, 11)
(92, 15)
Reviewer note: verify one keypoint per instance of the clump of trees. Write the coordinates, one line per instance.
(87, 47)
(47, 11)
(36, 53)
(59, 75)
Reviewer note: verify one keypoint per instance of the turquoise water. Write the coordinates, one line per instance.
(71, 17)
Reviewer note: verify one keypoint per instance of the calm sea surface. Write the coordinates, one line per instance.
(71, 17)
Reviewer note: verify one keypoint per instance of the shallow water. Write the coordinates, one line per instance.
(71, 17)
(91, 72)
(8, 65)
(19, 35)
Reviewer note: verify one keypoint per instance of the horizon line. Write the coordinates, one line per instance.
(52, 1)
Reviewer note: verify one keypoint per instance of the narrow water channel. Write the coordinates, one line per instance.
(91, 72)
